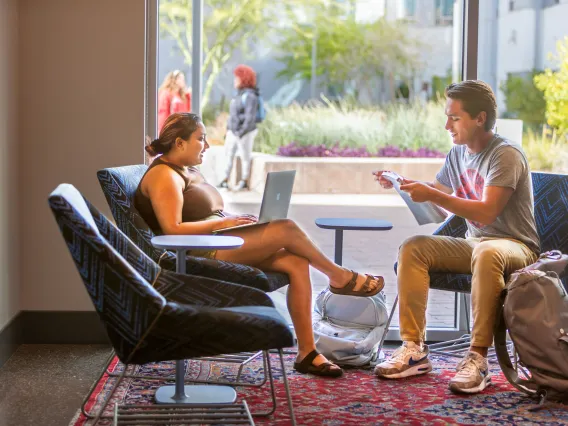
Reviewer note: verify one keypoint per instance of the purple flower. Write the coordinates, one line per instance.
(295, 150)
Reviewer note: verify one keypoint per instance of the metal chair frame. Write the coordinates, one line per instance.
(173, 414)
(124, 374)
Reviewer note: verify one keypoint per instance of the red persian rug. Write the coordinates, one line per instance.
(357, 398)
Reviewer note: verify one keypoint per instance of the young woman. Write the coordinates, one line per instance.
(173, 96)
(174, 199)
(241, 127)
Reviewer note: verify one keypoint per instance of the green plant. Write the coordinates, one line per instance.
(349, 51)
(411, 126)
(546, 151)
(554, 84)
(524, 100)
(228, 25)
(439, 84)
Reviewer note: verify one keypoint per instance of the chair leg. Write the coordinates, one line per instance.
(268, 368)
(100, 415)
(104, 370)
(288, 395)
(466, 306)
(394, 305)
(213, 382)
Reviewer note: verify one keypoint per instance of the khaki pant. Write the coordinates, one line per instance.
(490, 260)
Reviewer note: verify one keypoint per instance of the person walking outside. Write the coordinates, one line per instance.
(241, 127)
(173, 96)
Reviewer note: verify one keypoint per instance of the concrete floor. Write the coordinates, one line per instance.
(44, 385)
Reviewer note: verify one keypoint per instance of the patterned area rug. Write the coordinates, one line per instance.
(357, 398)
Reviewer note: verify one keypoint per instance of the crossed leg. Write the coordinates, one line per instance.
(263, 241)
(281, 246)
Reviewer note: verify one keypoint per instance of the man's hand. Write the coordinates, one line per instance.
(384, 182)
(419, 192)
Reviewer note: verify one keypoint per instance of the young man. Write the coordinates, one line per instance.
(486, 180)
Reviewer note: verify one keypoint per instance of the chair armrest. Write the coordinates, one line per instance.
(453, 226)
(201, 291)
(218, 269)
(200, 242)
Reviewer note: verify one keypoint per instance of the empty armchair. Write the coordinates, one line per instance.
(153, 315)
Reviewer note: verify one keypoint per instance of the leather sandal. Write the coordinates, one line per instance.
(348, 289)
(324, 369)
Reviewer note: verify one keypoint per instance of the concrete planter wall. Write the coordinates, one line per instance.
(337, 175)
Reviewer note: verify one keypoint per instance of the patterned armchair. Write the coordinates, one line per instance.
(119, 186)
(550, 208)
(151, 314)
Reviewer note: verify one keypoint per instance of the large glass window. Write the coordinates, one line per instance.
(522, 54)
(350, 86)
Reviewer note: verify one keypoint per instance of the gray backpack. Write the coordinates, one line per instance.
(348, 329)
(534, 310)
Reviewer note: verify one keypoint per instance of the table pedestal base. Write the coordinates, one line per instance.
(196, 394)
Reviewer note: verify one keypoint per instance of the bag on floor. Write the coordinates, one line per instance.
(349, 329)
(534, 310)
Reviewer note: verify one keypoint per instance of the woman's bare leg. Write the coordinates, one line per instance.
(263, 241)
(298, 298)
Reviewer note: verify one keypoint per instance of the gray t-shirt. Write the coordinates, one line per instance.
(501, 163)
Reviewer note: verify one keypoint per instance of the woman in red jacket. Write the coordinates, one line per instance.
(173, 96)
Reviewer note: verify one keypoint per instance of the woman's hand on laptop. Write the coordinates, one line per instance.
(243, 219)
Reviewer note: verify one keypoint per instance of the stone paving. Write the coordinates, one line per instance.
(365, 251)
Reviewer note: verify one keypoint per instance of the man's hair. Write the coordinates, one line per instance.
(475, 96)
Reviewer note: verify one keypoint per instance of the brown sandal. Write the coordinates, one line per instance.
(348, 289)
(324, 369)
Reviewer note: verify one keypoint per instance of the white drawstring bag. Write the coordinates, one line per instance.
(349, 329)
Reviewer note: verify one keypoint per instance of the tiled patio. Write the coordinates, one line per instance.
(366, 251)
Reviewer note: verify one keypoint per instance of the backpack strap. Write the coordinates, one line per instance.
(500, 340)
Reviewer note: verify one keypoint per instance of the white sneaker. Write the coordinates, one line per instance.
(472, 374)
(408, 360)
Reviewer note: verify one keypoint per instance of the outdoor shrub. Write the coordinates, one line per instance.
(355, 129)
(523, 100)
(546, 151)
(554, 84)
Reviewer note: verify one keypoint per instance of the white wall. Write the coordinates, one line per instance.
(555, 28)
(81, 109)
(516, 46)
(437, 51)
(9, 281)
(516, 41)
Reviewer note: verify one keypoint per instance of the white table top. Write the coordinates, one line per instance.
(197, 242)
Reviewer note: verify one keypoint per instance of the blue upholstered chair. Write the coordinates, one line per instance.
(119, 186)
(151, 314)
(551, 214)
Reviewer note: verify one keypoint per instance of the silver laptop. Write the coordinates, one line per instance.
(275, 200)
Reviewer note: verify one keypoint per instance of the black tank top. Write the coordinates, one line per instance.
(200, 199)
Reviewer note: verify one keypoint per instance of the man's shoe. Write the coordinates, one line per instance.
(241, 186)
(224, 184)
(408, 360)
(472, 374)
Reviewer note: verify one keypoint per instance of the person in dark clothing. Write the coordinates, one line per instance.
(241, 128)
